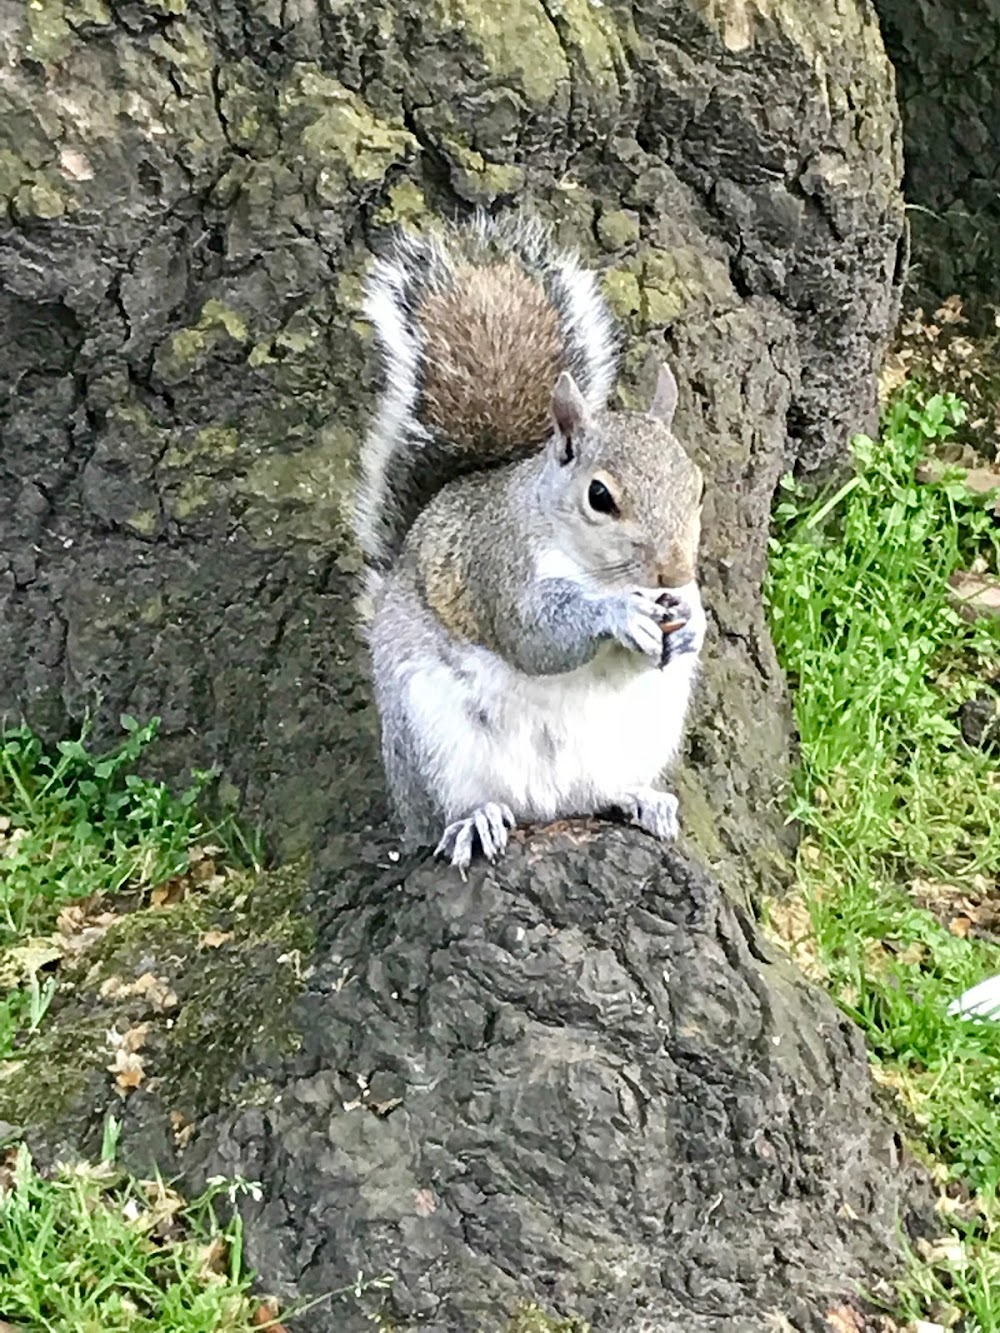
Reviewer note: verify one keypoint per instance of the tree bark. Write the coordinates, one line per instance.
(580, 1078)
(945, 56)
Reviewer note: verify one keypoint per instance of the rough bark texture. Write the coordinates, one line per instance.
(193, 190)
(581, 1078)
(945, 55)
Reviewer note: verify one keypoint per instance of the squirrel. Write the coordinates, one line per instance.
(530, 606)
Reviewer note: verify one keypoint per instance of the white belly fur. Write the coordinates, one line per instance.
(545, 745)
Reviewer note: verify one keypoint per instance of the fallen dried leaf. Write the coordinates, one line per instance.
(148, 987)
(127, 1065)
(80, 924)
(266, 1315)
(213, 939)
(204, 870)
(135, 1038)
(789, 925)
(8, 1159)
(913, 954)
(844, 1319)
(929, 892)
(171, 893)
(888, 1078)
(128, 1070)
(976, 480)
(950, 311)
(164, 1207)
(71, 919)
(382, 1109)
(960, 926)
(182, 1128)
(156, 991)
(9, 841)
(212, 1258)
(947, 1250)
(99, 1172)
(424, 1202)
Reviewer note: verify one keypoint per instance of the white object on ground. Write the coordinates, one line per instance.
(980, 1001)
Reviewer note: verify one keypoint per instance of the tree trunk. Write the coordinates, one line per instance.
(945, 55)
(581, 1077)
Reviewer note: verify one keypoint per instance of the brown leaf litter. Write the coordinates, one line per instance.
(156, 992)
(969, 910)
(127, 1064)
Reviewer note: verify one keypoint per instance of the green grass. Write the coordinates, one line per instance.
(78, 825)
(88, 1249)
(901, 818)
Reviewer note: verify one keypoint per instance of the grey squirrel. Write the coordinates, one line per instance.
(531, 608)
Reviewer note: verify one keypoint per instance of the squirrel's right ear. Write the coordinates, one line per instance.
(665, 398)
(569, 412)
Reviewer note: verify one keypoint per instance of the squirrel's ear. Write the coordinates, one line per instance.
(665, 398)
(569, 412)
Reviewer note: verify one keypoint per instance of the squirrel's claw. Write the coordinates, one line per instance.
(652, 810)
(489, 824)
(689, 635)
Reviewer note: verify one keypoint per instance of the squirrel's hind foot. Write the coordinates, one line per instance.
(489, 825)
(652, 810)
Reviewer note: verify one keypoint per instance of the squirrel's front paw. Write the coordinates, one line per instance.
(635, 620)
(688, 633)
(489, 824)
(652, 810)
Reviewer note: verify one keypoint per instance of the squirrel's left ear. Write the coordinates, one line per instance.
(569, 412)
(665, 398)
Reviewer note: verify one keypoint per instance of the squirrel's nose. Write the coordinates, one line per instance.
(674, 572)
(670, 566)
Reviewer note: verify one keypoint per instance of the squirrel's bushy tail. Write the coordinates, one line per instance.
(473, 329)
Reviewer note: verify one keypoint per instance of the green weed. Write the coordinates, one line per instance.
(77, 824)
(880, 660)
(90, 1250)
(901, 818)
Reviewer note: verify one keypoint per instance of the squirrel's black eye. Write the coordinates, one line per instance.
(601, 499)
